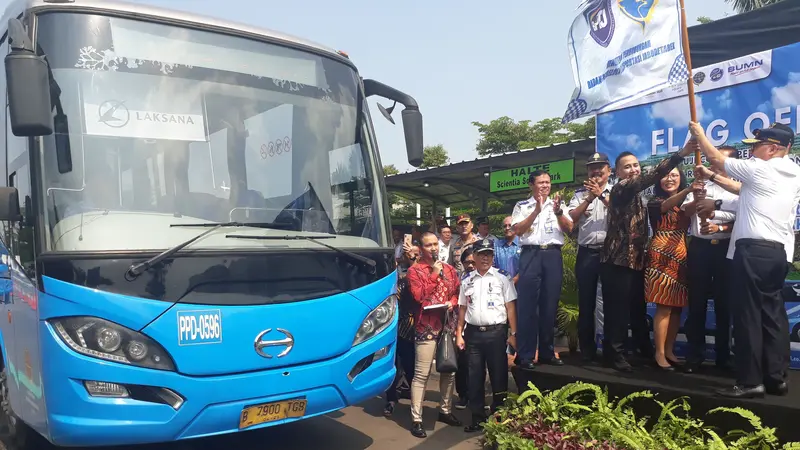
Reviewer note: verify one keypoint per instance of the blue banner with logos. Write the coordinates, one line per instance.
(732, 99)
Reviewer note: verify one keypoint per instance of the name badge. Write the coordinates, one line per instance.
(548, 226)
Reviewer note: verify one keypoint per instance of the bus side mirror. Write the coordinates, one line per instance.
(412, 127)
(412, 118)
(9, 205)
(28, 81)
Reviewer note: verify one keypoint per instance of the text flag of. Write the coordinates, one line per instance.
(622, 50)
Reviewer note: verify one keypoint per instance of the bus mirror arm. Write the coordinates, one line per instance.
(28, 81)
(412, 118)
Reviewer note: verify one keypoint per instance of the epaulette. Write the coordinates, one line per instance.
(581, 190)
(523, 202)
(466, 275)
(504, 272)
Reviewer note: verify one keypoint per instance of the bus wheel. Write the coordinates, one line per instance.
(14, 432)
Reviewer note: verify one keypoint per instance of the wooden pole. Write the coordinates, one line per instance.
(690, 82)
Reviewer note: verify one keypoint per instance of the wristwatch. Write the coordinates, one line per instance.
(717, 204)
(559, 212)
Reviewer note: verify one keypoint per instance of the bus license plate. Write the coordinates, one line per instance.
(270, 412)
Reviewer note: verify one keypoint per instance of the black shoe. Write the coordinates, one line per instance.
(621, 365)
(588, 358)
(388, 409)
(674, 363)
(777, 389)
(449, 419)
(691, 367)
(552, 362)
(461, 403)
(743, 392)
(474, 428)
(660, 368)
(526, 365)
(418, 431)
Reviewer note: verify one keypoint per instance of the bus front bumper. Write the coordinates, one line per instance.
(210, 405)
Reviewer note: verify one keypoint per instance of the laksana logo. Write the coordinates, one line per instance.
(600, 18)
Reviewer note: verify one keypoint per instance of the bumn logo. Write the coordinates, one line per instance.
(601, 22)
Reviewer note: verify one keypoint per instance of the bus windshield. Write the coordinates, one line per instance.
(171, 125)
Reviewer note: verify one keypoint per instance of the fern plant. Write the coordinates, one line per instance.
(583, 415)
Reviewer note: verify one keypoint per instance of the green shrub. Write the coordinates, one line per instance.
(584, 414)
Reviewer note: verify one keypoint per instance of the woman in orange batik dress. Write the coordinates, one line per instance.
(665, 274)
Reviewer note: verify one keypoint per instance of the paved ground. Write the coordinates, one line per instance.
(355, 428)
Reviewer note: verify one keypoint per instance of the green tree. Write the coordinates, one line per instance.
(504, 135)
(743, 6)
(390, 170)
(434, 156)
(704, 19)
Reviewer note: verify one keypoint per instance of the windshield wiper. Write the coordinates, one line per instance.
(137, 269)
(363, 259)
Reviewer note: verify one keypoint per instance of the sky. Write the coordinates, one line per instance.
(479, 62)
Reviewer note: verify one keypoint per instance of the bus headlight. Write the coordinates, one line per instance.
(102, 339)
(377, 320)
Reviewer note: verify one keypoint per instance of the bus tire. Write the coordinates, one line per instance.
(16, 434)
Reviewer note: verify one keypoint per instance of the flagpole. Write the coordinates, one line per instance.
(690, 82)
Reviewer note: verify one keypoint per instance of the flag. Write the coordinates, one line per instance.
(622, 50)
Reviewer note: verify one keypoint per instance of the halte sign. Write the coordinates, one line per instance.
(511, 179)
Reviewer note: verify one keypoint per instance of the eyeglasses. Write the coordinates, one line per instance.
(506, 225)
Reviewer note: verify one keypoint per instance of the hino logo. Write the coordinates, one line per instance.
(114, 113)
(260, 344)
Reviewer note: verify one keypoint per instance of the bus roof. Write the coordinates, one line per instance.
(17, 7)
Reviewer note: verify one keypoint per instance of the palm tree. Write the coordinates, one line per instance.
(742, 6)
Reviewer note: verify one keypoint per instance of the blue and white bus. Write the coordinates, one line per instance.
(195, 235)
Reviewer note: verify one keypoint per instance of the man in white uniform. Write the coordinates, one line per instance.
(762, 246)
(540, 223)
(487, 307)
(709, 269)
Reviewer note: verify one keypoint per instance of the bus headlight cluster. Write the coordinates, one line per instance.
(377, 320)
(102, 339)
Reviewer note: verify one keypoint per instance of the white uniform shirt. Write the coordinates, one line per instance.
(486, 296)
(444, 250)
(770, 191)
(713, 192)
(592, 224)
(545, 229)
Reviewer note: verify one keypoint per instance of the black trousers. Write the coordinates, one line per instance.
(760, 324)
(538, 291)
(404, 360)
(623, 304)
(587, 272)
(486, 349)
(709, 273)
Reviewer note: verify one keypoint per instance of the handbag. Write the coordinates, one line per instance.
(446, 358)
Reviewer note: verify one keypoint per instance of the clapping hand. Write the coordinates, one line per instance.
(557, 203)
(594, 188)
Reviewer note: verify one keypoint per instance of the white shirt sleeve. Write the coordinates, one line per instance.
(724, 216)
(566, 211)
(509, 291)
(576, 200)
(516, 215)
(689, 199)
(729, 205)
(744, 170)
(462, 298)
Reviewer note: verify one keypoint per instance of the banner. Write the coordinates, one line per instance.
(621, 50)
(733, 98)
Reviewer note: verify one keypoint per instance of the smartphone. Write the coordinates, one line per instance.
(407, 239)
